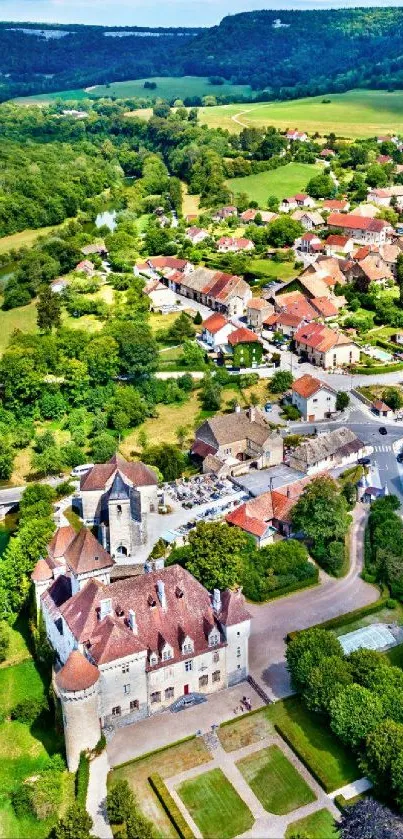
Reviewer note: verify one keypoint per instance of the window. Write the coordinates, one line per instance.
(214, 639)
(125, 668)
(126, 689)
(216, 657)
(238, 652)
(153, 659)
(116, 711)
(238, 633)
(314, 400)
(188, 666)
(203, 681)
(155, 697)
(134, 705)
(169, 693)
(238, 667)
(216, 676)
(187, 647)
(119, 509)
(167, 654)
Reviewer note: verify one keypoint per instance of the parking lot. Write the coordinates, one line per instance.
(258, 481)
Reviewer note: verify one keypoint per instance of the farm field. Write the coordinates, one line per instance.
(281, 182)
(215, 806)
(275, 782)
(357, 113)
(168, 87)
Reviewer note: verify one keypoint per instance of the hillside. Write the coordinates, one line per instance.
(306, 53)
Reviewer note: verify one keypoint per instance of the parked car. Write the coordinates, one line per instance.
(78, 471)
(364, 461)
(400, 457)
(383, 430)
(268, 406)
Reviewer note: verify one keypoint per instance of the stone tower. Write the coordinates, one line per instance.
(120, 519)
(77, 688)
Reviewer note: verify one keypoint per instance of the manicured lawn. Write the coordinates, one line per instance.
(23, 318)
(357, 113)
(215, 806)
(319, 825)
(310, 737)
(17, 683)
(247, 730)
(395, 656)
(281, 182)
(167, 763)
(275, 781)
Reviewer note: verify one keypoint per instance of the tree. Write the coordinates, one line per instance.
(193, 356)
(383, 746)
(197, 320)
(168, 458)
(280, 382)
(322, 186)
(102, 358)
(181, 328)
(307, 650)
(321, 514)
(210, 394)
(342, 400)
(326, 680)
(6, 461)
(48, 310)
(75, 824)
(392, 397)
(283, 231)
(49, 462)
(119, 801)
(368, 819)
(4, 640)
(376, 175)
(214, 554)
(103, 447)
(354, 713)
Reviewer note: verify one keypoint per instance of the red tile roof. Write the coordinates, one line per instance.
(337, 240)
(86, 554)
(380, 406)
(60, 541)
(257, 303)
(168, 262)
(257, 515)
(320, 337)
(41, 572)
(214, 323)
(202, 449)
(243, 336)
(324, 306)
(137, 472)
(307, 385)
(352, 222)
(334, 204)
(77, 674)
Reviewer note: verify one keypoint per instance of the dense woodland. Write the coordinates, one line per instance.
(313, 52)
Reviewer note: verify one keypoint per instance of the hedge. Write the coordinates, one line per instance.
(247, 714)
(343, 803)
(381, 368)
(82, 779)
(302, 758)
(300, 584)
(349, 617)
(171, 808)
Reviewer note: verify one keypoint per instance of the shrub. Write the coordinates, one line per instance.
(29, 709)
(100, 746)
(21, 801)
(4, 641)
(170, 807)
(335, 558)
(391, 603)
(82, 779)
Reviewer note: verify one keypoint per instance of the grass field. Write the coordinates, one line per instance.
(168, 87)
(25, 238)
(319, 825)
(357, 113)
(281, 182)
(16, 681)
(167, 763)
(384, 615)
(23, 318)
(311, 738)
(215, 806)
(275, 781)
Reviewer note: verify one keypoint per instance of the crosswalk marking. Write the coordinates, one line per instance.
(382, 448)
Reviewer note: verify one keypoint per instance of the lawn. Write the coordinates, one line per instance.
(25, 238)
(168, 87)
(167, 763)
(272, 270)
(319, 825)
(18, 682)
(215, 806)
(281, 182)
(18, 648)
(384, 615)
(274, 780)
(311, 739)
(357, 113)
(23, 318)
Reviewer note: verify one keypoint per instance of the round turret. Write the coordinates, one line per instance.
(77, 687)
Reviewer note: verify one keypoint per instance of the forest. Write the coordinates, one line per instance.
(313, 52)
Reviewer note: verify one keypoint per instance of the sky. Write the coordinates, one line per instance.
(156, 12)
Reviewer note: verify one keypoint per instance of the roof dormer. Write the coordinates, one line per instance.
(153, 659)
(187, 645)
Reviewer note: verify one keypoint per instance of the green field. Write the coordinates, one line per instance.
(168, 87)
(282, 182)
(215, 806)
(319, 825)
(275, 781)
(357, 113)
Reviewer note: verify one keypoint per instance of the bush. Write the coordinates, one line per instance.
(391, 603)
(4, 640)
(170, 807)
(334, 561)
(29, 709)
(21, 801)
(100, 746)
(82, 779)
(291, 412)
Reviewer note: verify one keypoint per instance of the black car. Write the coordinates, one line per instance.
(383, 430)
(364, 461)
(400, 457)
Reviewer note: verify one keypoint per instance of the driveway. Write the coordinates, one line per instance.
(272, 621)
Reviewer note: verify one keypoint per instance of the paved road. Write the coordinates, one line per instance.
(272, 621)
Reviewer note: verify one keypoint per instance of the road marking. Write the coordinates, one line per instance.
(382, 448)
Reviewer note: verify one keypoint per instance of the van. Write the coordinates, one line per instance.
(78, 471)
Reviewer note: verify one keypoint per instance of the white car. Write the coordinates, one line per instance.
(78, 471)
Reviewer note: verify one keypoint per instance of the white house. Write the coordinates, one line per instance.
(232, 244)
(315, 400)
(328, 450)
(216, 330)
(196, 235)
(295, 135)
(371, 230)
(325, 347)
(308, 218)
(159, 295)
(295, 201)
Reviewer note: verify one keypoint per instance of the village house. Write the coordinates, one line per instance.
(327, 153)
(59, 285)
(257, 311)
(160, 296)
(308, 218)
(86, 267)
(361, 229)
(366, 210)
(268, 516)
(295, 135)
(238, 441)
(326, 451)
(225, 293)
(116, 497)
(196, 235)
(307, 242)
(284, 322)
(249, 216)
(295, 201)
(232, 244)
(314, 399)
(383, 196)
(132, 648)
(366, 266)
(246, 348)
(295, 303)
(225, 213)
(98, 248)
(336, 205)
(215, 331)
(325, 347)
(381, 409)
(337, 244)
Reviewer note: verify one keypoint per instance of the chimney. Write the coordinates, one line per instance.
(161, 594)
(288, 492)
(132, 622)
(105, 607)
(237, 409)
(252, 413)
(216, 600)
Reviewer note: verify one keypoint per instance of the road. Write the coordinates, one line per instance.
(272, 621)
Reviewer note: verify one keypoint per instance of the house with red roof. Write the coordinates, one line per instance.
(246, 348)
(197, 235)
(233, 244)
(215, 331)
(257, 311)
(296, 136)
(314, 399)
(294, 201)
(224, 213)
(336, 205)
(361, 229)
(327, 153)
(306, 242)
(325, 347)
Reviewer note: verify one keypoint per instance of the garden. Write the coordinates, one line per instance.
(274, 780)
(215, 806)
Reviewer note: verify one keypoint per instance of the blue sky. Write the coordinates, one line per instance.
(155, 12)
